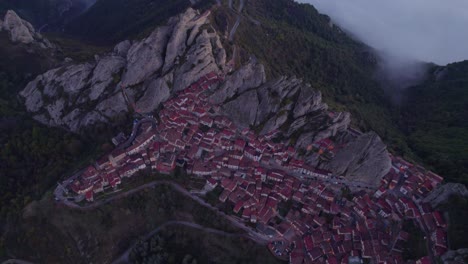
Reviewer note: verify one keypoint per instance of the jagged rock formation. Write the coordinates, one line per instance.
(442, 194)
(21, 31)
(287, 104)
(176, 55)
(150, 70)
(364, 159)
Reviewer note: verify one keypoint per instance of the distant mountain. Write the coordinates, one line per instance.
(109, 21)
(435, 118)
(47, 15)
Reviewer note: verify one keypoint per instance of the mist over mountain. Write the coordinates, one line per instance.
(407, 35)
(431, 31)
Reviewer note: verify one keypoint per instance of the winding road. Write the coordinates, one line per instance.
(136, 126)
(124, 258)
(257, 237)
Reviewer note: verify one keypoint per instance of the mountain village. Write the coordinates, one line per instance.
(269, 186)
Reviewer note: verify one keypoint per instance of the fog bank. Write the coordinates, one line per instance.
(423, 30)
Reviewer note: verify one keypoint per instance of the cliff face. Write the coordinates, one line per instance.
(143, 74)
(364, 159)
(286, 104)
(78, 95)
(21, 31)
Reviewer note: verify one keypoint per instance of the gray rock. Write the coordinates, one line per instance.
(243, 109)
(33, 95)
(122, 48)
(91, 118)
(364, 160)
(247, 77)
(309, 100)
(157, 92)
(112, 106)
(219, 52)
(188, 21)
(55, 111)
(72, 119)
(72, 79)
(21, 31)
(145, 58)
(198, 62)
(104, 74)
(276, 98)
(274, 123)
(441, 194)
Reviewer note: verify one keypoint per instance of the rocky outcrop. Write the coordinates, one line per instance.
(287, 104)
(21, 31)
(249, 76)
(157, 91)
(137, 75)
(365, 159)
(140, 75)
(146, 57)
(441, 194)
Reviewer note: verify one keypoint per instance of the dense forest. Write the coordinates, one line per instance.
(296, 40)
(435, 118)
(33, 157)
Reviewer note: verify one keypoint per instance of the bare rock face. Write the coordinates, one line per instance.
(309, 100)
(441, 194)
(247, 77)
(243, 110)
(365, 159)
(190, 21)
(199, 61)
(286, 104)
(157, 92)
(21, 31)
(145, 58)
(104, 74)
(79, 95)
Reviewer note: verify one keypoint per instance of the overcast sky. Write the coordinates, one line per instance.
(427, 30)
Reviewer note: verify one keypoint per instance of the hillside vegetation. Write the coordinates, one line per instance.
(34, 157)
(435, 118)
(105, 233)
(294, 39)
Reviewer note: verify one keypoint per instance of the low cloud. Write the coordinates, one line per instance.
(419, 30)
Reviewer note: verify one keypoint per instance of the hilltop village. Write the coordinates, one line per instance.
(269, 186)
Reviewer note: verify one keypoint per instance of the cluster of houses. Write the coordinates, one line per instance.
(322, 227)
(268, 185)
